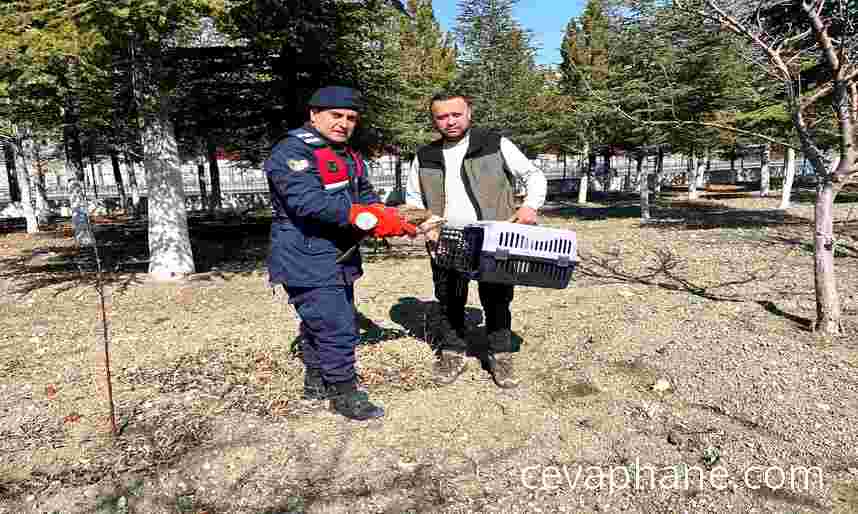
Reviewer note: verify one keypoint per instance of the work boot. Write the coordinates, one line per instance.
(314, 387)
(448, 366)
(498, 359)
(348, 400)
(450, 352)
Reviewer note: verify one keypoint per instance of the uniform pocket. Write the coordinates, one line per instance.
(318, 246)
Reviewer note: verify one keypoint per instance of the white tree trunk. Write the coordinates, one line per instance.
(789, 176)
(23, 160)
(701, 175)
(693, 169)
(583, 184)
(659, 170)
(170, 254)
(827, 299)
(43, 210)
(765, 175)
(132, 184)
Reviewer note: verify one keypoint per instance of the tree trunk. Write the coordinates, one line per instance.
(639, 160)
(23, 160)
(704, 171)
(789, 176)
(132, 184)
(117, 178)
(170, 254)
(75, 176)
(609, 177)
(659, 170)
(765, 175)
(827, 299)
(95, 183)
(583, 184)
(12, 179)
(215, 200)
(397, 188)
(644, 188)
(692, 176)
(37, 183)
(201, 178)
(733, 177)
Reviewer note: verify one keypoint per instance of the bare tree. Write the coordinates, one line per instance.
(825, 31)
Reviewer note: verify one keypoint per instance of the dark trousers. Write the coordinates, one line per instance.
(329, 330)
(451, 290)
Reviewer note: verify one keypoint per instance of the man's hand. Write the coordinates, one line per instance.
(525, 215)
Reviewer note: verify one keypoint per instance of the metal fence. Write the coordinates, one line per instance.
(239, 180)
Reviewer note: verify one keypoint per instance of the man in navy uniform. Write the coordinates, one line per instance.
(323, 205)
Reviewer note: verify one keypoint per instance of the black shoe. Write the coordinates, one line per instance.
(348, 400)
(314, 387)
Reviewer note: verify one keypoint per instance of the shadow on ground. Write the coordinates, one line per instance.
(220, 244)
(415, 316)
(670, 210)
(667, 273)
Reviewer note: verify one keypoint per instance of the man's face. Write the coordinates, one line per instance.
(335, 125)
(451, 117)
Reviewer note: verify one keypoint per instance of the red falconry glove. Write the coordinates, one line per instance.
(391, 224)
(365, 217)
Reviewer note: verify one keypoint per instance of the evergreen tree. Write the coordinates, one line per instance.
(497, 68)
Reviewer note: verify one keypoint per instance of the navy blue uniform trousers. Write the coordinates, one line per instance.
(329, 330)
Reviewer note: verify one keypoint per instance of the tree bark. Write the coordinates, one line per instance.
(397, 188)
(733, 176)
(132, 184)
(789, 177)
(117, 178)
(583, 184)
(827, 299)
(75, 176)
(215, 199)
(692, 176)
(37, 183)
(659, 170)
(170, 254)
(644, 188)
(201, 179)
(14, 188)
(765, 175)
(23, 160)
(639, 160)
(95, 183)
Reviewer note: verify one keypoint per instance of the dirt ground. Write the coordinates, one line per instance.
(677, 373)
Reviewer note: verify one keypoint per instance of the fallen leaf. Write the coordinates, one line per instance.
(71, 418)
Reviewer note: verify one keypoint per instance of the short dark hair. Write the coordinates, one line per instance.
(443, 96)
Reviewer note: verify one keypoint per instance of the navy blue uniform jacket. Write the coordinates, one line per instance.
(311, 228)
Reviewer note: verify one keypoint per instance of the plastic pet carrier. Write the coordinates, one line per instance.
(509, 253)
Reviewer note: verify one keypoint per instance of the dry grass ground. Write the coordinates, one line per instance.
(677, 373)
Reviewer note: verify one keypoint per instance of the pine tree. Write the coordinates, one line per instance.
(496, 65)
(425, 60)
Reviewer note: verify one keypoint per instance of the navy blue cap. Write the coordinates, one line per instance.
(337, 97)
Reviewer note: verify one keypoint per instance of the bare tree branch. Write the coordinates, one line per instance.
(821, 33)
(740, 29)
(826, 89)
